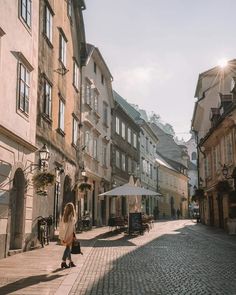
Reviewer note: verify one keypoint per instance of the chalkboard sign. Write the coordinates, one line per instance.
(135, 222)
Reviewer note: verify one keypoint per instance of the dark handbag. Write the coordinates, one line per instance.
(76, 249)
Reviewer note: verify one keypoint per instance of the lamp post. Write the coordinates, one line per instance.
(44, 156)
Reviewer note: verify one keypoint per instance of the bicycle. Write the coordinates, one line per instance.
(43, 230)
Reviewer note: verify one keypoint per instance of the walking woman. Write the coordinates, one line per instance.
(67, 233)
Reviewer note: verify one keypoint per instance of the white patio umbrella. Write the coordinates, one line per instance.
(130, 190)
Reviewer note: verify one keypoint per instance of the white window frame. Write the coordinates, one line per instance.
(88, 93)
(123, 163)
(123, 130)
(61, 115)
(95, 101)
(76, 75)
(134, 140)
(48, 23)
(24, 88)
(26, 11)
(117, 125)
(129, 135)
(47, 99)
(75, 130)
(95, 148)
(69, 8)
(62, 49)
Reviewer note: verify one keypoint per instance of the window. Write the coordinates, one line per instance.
(135, 140)
(194, 156)
(87, 141)
(102, 79)
(123, 164)
(24, 87)
(61, 115)
(129, 165)
(123, 130)
(94, 67)
(95, 101)
(147, 145)
(88, 93)
(62, 49)
(105, 114)
(129, 135)
(95, 143)
(25, 11)
(117, 159)
(76, 75)
(69, 8)
(151, 171)
(75, 131)
(47, 99)
(48, 23)
(104, 156)
(117, 125)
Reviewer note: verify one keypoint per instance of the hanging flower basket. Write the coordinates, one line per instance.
(84, 186)
(223, 186)
(42, 180)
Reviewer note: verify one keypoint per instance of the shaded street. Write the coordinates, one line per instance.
(176, 257)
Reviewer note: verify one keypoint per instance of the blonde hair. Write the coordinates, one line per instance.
(69, 212)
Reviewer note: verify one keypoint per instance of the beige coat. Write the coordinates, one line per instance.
(66, 230)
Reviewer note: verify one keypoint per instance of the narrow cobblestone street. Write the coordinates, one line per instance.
(175, 257)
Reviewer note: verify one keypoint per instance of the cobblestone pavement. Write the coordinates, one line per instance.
(175, 257)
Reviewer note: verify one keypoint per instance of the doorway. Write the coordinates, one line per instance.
(17, 210)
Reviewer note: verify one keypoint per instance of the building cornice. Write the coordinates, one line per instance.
(8, 133)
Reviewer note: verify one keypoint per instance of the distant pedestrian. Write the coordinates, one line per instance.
(178, 213)
(67, 233)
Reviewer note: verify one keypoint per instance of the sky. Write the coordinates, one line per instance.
(155, 49)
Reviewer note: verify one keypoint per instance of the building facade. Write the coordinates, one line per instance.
(96, 135)
(61, 56)
(173, 187)
(125, 151)
(213, 123)
(18, 101)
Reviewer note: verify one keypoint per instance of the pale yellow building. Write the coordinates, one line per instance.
(173, 186)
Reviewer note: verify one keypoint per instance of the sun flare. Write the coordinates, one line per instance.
(223, 62)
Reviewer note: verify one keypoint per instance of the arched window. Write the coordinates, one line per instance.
(194, 156)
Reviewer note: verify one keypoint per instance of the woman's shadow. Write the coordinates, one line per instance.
(26, 282)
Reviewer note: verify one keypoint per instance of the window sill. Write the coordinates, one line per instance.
(47, 40)
(47, 118)
(61, 132)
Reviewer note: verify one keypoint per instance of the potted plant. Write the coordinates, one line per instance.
(84, 186)
(42, 180)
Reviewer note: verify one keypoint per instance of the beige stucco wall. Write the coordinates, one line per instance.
(17, 130)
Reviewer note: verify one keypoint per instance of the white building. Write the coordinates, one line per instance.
(97, 102)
